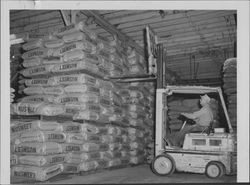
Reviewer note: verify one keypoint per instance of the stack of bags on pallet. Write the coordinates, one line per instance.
(117, 153)
(150, 118)
(137, 113)
(36, 149)
(64, 75)
(113, 56)
(59, 75)
(230, 88)
(83, 146)
(109, 148)
(151, 151)
(39, 147)
(55, 66)
(136, 63)
(12, 95)
(137, 144)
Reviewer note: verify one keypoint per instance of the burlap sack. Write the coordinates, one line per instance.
(40, 52)
(39, 161)
(36, 173)
(33, 44)
(76, 158)
(47, 148)
(37, 70)
(55, 43)
(28, 126)
(76, 79)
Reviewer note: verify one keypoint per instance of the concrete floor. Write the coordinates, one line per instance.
(138, 174)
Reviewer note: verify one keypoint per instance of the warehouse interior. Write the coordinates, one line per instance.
(102, 129)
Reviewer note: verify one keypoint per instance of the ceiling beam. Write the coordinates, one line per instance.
(113, 30)
(66, 17)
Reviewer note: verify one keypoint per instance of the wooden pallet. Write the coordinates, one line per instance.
(64, 118)
(84, 173)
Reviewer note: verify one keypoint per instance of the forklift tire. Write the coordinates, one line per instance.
(163, 165)
(215, 170)
(223, 169)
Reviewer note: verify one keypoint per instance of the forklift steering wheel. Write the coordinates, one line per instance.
(184, 118)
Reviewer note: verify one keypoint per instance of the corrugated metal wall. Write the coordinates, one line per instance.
(197, 41)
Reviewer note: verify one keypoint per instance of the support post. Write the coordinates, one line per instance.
(160, 70)
(225, 111)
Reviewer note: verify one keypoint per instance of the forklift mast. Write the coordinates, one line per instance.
(157, 66)
(156, 58)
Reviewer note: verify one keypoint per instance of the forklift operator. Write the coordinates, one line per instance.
(202, 118)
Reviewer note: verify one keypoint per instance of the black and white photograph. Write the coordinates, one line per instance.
(117, 94)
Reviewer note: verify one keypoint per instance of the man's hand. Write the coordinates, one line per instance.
(187, 115)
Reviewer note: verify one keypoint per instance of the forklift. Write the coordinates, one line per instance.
(212, 153)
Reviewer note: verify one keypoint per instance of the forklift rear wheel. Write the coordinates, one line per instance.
(215, 169)
(163, 165)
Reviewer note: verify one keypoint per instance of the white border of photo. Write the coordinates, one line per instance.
(242, 8)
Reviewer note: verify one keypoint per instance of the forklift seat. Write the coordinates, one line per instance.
(206, 130)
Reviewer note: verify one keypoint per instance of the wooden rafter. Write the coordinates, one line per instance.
(113, 30)
(66, 17)
(202, 37)
(69, 16)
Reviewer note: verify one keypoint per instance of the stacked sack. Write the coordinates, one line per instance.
(112, 56)
(65, 74)
(39, 147)
(36, 150)
(111, 148)
(150, 120)
(61, 75)
(12, 95)
(84, 146)
(136, 63)
(137, 106)
(137, 143)
(56, 66)
(118, 147)
(230, 88)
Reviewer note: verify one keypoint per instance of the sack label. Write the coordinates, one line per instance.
(29, 175)
(72, 148)
(36, 53)
(72, 128)
(39, 81)
(69, 99)
(26, 126)
(67, 48)
(37, 70)
(26, 109)
(57, 159)
(25, 149)
(55, 136)
(68, 79)
(68, 66)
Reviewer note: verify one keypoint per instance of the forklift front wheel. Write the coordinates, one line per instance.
(215, 169)
(163, 165)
